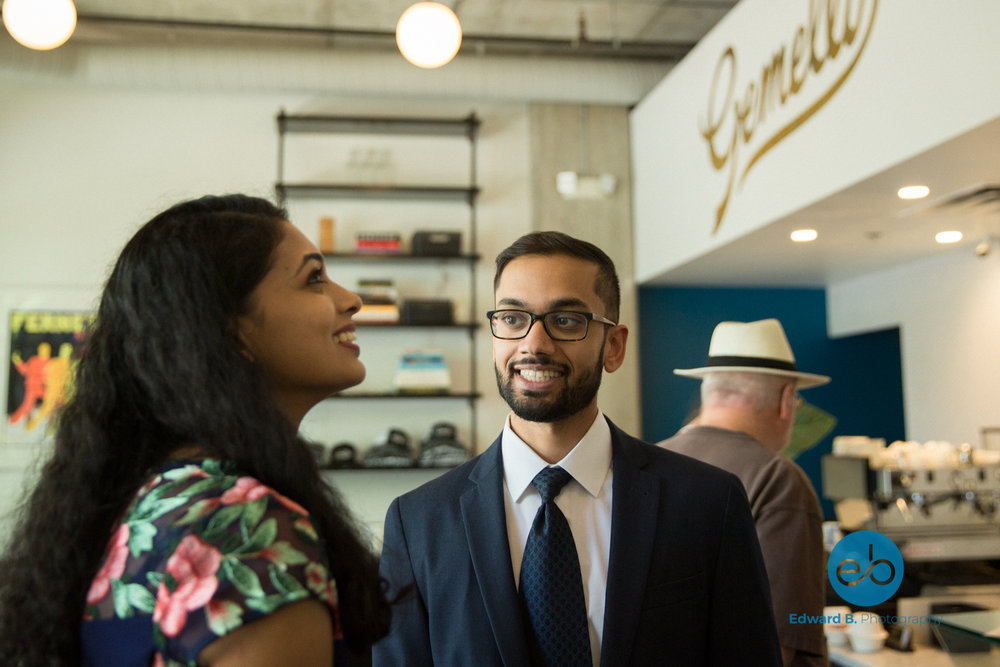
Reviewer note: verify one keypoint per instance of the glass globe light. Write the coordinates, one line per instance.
(428, 34)
(39, 24)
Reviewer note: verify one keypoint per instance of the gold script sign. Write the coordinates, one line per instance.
(836, 32)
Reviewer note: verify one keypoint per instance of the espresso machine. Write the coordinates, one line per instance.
(934, 501)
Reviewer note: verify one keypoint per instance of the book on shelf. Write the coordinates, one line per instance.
(377, 314)
(422, 371)
(384, 243)
(379, 301)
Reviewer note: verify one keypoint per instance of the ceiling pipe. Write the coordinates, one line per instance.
(471, 44)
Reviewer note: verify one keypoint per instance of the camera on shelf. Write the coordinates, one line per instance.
(441, 448)
(342, 455)
(391, 449)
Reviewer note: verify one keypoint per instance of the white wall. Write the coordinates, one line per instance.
(95, 140)
(948, 311)
(102, 161)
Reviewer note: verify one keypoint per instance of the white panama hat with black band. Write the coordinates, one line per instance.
(753, 347)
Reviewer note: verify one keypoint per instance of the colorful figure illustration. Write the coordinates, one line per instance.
(33, 371)
(57, 385)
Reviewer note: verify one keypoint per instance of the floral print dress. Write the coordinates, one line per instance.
(200, 552)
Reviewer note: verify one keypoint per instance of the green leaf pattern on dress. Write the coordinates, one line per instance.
(209, 550)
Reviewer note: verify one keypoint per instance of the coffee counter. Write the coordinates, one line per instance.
(921, 656)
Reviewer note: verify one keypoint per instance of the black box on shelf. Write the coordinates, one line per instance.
(426, 311)
(437, 244)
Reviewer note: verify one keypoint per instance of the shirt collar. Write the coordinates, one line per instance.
(588, 462)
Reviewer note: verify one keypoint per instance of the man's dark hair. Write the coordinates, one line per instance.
(557, 243)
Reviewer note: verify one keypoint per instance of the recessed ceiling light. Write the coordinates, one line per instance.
(948, 237)
(913, 192)
(804, 235)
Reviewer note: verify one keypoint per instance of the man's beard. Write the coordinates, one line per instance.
(571, 399)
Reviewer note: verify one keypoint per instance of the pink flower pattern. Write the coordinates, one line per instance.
(193, 565)
(185, 566)
(248, 489)
(113, 567)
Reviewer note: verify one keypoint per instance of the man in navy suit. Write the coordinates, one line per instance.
(669, 562)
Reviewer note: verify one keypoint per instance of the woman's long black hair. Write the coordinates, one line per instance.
(163, 369)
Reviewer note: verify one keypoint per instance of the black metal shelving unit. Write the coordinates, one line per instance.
(467, 127)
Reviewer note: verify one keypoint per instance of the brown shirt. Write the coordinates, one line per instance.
(788, 519)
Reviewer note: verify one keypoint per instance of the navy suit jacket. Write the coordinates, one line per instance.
(686, 581)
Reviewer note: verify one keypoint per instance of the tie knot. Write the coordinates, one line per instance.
(550, 482)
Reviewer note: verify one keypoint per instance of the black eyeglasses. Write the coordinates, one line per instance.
(559, 324)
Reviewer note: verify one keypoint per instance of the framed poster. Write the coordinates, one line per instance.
(54, 319)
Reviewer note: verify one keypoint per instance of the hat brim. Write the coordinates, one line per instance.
(803, 380)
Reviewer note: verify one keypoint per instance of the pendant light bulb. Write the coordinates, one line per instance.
(428, 34)
(39, 24)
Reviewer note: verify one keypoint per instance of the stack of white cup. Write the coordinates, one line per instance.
(866, 632)
(835, 625)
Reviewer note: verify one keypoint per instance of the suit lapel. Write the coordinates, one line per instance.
(633, 527)
(486, 531)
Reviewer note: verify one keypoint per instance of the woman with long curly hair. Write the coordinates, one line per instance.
(180, 519)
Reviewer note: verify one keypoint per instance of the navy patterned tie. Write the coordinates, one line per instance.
(551, 587)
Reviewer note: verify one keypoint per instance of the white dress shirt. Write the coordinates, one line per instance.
(585, 501)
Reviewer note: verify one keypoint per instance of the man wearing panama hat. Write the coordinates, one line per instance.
(749, 397)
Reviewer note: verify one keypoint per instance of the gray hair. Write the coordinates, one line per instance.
(759, 391)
